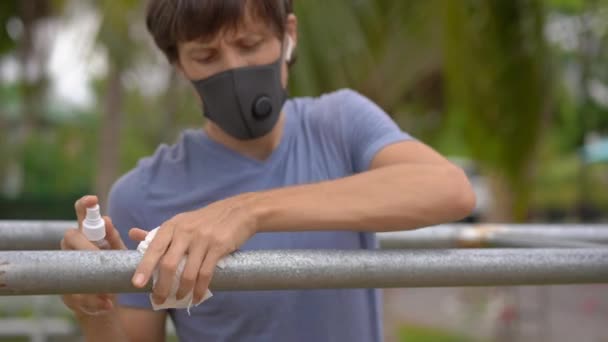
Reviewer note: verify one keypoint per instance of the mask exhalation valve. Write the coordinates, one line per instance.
(262, 107)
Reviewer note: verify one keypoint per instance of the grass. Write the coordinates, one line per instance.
(415, 333)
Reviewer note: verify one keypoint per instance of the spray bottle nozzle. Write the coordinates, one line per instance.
(93, 213)
(93, 226)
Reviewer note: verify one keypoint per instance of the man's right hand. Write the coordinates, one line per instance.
(74, 239)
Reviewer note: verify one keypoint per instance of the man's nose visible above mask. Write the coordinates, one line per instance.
(231, 59)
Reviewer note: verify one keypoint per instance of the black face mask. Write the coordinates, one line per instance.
(244, 102)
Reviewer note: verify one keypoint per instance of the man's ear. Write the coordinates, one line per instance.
(289, 49)
(291, 29)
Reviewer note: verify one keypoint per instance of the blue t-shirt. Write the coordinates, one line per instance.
(329, 137)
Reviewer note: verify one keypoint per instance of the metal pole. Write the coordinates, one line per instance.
(423, 238)
(32, 235)
(497, 235)
(46, 235)
(536, 241)
(55, 272)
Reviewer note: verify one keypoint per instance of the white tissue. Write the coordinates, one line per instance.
(171, 302)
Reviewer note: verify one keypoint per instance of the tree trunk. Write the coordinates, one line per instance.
(109, 138)
(501, 210)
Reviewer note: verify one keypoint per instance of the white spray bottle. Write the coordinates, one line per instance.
(94, 228)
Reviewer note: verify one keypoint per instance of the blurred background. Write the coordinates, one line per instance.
(514, 91)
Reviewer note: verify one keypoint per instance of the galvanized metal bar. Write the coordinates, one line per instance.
(515, 240)
(32, 235)
(55, 272)
(497, 235)
(46, 235)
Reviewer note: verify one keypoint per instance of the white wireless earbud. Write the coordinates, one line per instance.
(289, 49)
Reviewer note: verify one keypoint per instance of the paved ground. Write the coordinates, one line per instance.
(552, 313)
(549, 313)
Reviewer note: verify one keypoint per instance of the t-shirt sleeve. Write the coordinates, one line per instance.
(366, 128)
(123, 210)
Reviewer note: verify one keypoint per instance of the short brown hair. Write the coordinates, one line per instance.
(175, 21)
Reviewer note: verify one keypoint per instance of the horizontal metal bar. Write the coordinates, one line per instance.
(498, 235)
(55, 272)
(32, 235)
(46, 235)
(514, 240)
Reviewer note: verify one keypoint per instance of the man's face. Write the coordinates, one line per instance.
(251, 43)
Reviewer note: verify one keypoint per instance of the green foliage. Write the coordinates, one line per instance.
(497, 70)
(59, 164)
(497, 67)
(50, 156)
(416, 333)
(567, 6)
(370, 46)
(116, 30)
(8, 10)
(469, 77)
(151, 121)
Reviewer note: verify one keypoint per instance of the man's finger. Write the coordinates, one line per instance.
(168, 268)
(155, 251)
(205, 274)
(137, 234)
(81, 206)
(73, 239)
(194, 260)
(112, 235)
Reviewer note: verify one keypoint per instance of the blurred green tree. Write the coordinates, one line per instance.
(117, 36)
(388, 50)
(498, 74)
(24, 34)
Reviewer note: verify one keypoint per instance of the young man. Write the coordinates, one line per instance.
(263, 173)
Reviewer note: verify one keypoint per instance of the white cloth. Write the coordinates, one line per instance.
(172, 302)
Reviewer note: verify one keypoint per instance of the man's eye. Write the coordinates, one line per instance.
(204, 59)
(252, 44)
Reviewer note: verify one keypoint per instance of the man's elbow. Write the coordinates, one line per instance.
(462, 200)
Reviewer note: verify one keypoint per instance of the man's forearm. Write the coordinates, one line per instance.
(398, 197)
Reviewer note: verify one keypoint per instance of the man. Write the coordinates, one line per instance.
(263, 173)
